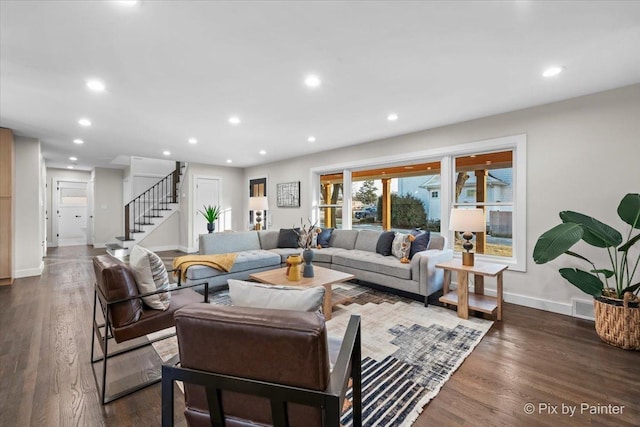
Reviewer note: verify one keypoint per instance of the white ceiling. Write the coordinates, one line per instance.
(179, 69)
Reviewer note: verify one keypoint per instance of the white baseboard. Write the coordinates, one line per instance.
(29, 272)
(531, 302)
(99, 245)
(188, 250)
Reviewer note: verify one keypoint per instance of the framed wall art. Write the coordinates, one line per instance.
(288, 194)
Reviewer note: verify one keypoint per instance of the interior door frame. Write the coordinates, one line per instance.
(55, 208)
(193, 208)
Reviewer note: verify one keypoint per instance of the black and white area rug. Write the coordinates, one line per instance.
(409, 351)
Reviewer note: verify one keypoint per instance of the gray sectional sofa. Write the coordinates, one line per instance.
(350, 251)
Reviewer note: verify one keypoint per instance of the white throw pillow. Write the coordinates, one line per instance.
(151, 275)
(401, 245)
(258, 295)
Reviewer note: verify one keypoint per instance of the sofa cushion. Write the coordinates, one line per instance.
(258, 295)
(285, 252)
(246, 260)
(289, 238)
(229, 241)
(324, 236)
(436, 242)
(371, 261)
(383, 245)
(345, 239)
(420, 242)
(268, 239)
(367, 240)
(401, 245)
(151, 275)
(325, 254)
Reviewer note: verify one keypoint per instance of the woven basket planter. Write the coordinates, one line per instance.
(618, 322)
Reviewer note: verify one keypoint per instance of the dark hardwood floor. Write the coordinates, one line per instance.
(531, 357)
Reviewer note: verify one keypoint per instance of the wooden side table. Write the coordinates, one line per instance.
(477, 301)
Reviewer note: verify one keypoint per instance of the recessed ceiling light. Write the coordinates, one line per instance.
(311, 139)
(166, 153)
(193, 141)
(84, 122)
(78, 141)
(552, 71)
(73, 159)
(69, 167)
(263, 152)
(234, 120)
(96, 85)
(312, 81)
(128, 2)
(229, 161)
(392, 117)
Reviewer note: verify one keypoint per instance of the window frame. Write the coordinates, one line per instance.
(446, 155)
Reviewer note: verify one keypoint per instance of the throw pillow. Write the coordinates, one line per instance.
(257, 295)
(151, 275)
(401, 246)
(383, 247)
(288, 238)
(420, 243)
(324, 236)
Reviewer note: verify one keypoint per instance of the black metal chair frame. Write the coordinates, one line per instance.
(348, 364)
(103, 339)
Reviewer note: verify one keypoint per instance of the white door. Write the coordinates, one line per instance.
(207, 193)
(72, 213)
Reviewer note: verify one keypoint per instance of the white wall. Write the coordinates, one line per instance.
(164, 237)
(108, 212)
(53, 176)
(582, 155)
(28, 231)
(232, 198)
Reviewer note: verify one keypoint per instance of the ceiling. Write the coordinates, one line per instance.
(178, 70)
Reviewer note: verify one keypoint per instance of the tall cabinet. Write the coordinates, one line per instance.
(6, 206)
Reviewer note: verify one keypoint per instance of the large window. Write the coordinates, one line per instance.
(419, 189)
(331, 200)
(397, 197)
(485, 181)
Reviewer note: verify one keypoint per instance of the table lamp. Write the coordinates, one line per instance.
(258, 204)
(467, 221)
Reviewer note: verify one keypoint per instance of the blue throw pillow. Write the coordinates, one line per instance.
(383, 247)
(324, 236)
(420, 243)
(288, 238)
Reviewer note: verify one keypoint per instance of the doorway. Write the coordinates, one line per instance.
(207, 192)
(71, 217)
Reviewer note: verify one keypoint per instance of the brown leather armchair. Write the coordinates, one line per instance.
(253, 367)
(124, 317)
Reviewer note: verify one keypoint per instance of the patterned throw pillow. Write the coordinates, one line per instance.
(151, 275)
(401, 246)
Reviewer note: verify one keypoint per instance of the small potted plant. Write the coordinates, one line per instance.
(211, 214)
(617, 314)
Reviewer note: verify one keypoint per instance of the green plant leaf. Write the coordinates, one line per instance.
(596, 233)
(629, 209)
(607, 273)
(573, 254)
(586, 282)
(555, 242)
(631, 288)
(630, 242)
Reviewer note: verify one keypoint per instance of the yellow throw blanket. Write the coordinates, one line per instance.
(222, 262)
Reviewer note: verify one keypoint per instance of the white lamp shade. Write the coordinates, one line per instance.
(471, 220)
(258, 204)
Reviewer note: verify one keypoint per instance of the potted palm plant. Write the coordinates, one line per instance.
(617, 315)
(211, 214)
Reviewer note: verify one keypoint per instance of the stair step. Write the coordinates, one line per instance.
(144, 223)
(137, 230)
(122, 239)
(152, 216)
(117, 250)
